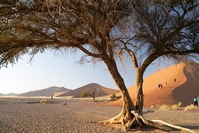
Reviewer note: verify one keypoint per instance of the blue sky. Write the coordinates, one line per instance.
(48, 69)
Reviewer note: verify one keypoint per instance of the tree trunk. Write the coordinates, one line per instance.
(131, 116)
(94, 95)
(139, 100)
(125, 115)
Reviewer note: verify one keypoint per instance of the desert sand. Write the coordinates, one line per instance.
(79, 116)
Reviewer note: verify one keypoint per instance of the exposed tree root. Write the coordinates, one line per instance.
(174, 126)
(115, 120)
(162, 125)
(139, 121)
(151, 123)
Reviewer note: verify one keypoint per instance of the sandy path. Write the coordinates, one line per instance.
(80, 116)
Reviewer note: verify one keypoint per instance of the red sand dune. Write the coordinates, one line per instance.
(182, 90)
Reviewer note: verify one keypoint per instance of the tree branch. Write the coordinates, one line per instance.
(89, 53)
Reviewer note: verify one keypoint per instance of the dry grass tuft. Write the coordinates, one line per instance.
(189, 107)
(152, 106)
(164, 107)
(176, 106)
(179, 104)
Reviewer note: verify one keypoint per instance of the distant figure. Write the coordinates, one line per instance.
(195, 101)
(174, 80)
(159, 85)
(65, 103)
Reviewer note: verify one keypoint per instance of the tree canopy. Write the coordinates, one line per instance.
(37, 26)
(146, 28)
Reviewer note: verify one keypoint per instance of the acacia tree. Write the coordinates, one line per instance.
(90, 93)
(106, 31)
(162, 29)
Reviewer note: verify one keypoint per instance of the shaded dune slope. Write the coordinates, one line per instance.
(177, 86)
(187, 91)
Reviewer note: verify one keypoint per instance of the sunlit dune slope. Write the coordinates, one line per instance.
(177, 86)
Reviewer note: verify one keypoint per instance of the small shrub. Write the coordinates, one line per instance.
(179, 104)
(1, 100)
(112, 97)
(163, 107)
(189, 107)
(175, 107)
(43, 101)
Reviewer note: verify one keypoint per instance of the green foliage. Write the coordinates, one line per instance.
(85, 93)
(113, 97)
